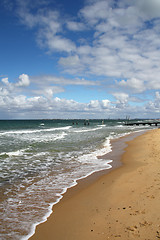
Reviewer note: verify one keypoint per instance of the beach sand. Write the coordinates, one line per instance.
(123, 204)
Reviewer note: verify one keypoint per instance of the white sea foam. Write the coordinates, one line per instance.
(15, 153)
(47, 138)
(102, 125)
(41, 137)
(60, 136)
(34, 131)
(87, 130)
(92, 157)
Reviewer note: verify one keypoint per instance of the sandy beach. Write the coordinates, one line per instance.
(123, 204)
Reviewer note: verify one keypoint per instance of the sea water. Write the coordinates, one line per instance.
(40, 159)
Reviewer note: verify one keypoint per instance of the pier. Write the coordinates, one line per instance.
(143, 123)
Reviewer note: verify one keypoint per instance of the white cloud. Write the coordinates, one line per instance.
(122, 97)
(94, 104)
(13, 99)
(121, 45)
(23, 81)
(106, 103)
(49, 28)
(95, 11)
(154, 83)
(97, 106)
(72, 64)
(56, 43)
(62, 81)
(16, 105)
(5, 81)
(49, 92)
(121, 100)
(150, 9)
(70, 61)
(3, 92)
(84, 50)
(157, 96)
(134, 84)
(17, 101)
(154, 106)
(75, 26)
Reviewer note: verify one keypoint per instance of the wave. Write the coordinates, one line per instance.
(14, 153)
(102, 125)
(87, 130)
(92, 157)
(35, 131)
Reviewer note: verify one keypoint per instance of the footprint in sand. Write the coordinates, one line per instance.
(133, 230)
(136, 213)
(145, 223)
(143, 212)
(152, 196)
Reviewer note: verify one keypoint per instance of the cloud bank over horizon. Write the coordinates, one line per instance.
(105, 59)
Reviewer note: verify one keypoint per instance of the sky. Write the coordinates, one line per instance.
(79, 59)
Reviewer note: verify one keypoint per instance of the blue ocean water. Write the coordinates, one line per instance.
(40, 159)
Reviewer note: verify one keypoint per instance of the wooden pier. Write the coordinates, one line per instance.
(143, 123)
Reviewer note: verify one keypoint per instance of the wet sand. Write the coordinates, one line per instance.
(123, 204)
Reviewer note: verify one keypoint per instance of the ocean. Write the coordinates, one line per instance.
(40, 159)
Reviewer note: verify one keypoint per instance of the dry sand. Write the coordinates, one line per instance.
(124, 204)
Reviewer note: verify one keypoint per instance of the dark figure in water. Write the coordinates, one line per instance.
(86, 123)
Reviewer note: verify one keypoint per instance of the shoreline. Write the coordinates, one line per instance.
(118, 149)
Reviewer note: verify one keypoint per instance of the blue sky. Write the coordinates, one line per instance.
(79, 59)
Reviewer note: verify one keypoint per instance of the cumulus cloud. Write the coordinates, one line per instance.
(23, 81)
(134, 84)
(118, 41)
(13, 100)
(96, 104)
(123, 37)
(121, 100)
(49, 91)
(56, 43)
(121, 44)
(40, 103)
(95, 11)
(154, 106)
(15, 104)
(5, 81)
(106, 103)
